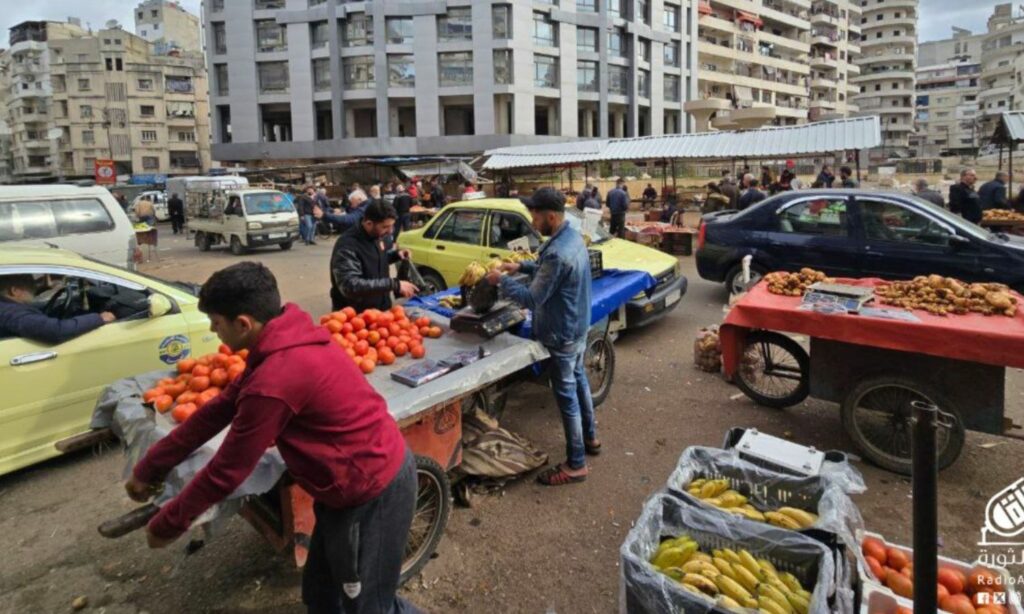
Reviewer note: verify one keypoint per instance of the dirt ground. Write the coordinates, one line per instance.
(529, 549)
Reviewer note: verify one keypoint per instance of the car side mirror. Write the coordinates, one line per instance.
(956, 241)
(159, 305)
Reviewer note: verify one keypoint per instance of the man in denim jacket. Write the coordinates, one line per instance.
(559, 296)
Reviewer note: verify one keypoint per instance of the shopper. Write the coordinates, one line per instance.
(403, 207)
(618, 204)
(727, 186)
(145, 211)
(826, 177)
(921, 190)
(846, 178)
(751, 196)
(715, 200)
(963, 200)
(993, 193)
(176, 209)
(304, 207)
(649, 196)
(768, 180)
(438, 199)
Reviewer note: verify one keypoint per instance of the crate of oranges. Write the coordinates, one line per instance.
(197, 382)
(374, 337)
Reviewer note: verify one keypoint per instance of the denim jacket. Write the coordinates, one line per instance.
(559, 292)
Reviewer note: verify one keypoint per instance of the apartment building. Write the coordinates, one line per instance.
(888, 63)
(1001, 45)
(167, 25)
(946, 106)
(779, 62)
(74, 96)
(317, 79)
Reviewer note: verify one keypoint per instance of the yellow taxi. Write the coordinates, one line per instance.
(49, 391)
(483, 229)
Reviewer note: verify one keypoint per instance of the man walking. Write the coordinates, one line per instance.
(403, 208)
(727, 186)
(752, 195)
(301, 394)
(963, 200)
(304, 206)
(846, 178)
(559, 297)
(618, 204)
(993, 193)
(921, 190)
(176, 209)
(362, 259)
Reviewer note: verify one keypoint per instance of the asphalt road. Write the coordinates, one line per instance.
(525, 549)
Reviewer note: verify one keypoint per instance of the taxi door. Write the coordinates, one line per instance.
(457, 240)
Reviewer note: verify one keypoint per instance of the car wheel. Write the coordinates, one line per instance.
(236, 246)
(287, 245)
(203, 241)
(433, 281)
(734, 278)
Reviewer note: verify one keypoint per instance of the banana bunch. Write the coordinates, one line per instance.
(718, 493)
(732, 579)
(451, 301)
(473, 274)
(518, 257)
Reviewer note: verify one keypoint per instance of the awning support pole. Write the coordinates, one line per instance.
(857, 156)
(1009, 189)
(570, 180)
(1000, 155)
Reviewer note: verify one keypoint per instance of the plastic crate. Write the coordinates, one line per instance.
(789, 466)
(875, 601)
(596, 263)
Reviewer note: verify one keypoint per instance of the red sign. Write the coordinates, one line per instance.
(104, 171)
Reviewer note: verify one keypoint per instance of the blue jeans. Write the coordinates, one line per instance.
(307, 228)
(404, 222)
(572, 393)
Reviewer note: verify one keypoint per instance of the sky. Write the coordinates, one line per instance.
(936, 16)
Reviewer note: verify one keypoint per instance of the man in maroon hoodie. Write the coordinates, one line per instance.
(301, 393)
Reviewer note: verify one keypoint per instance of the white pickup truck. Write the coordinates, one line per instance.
(242, 219)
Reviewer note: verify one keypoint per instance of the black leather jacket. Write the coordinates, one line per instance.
(360, 270)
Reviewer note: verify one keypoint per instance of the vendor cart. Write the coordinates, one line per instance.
(874, 364)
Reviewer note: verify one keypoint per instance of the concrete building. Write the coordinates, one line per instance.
(888, 62)
(167, 25)
(778, 62)
(1001, 45)
(445, 77)
(963, 46)
(74, 96)
(946, 121)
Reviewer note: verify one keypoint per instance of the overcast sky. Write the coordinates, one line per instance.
(936, 20)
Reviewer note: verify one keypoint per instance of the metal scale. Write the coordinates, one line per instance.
(486, 313)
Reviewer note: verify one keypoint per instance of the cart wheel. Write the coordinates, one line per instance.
(774, 370)
(433, 505)
(599, 362)
(878, 416)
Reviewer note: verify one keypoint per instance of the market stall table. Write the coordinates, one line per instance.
(874, 366)
(147, 236)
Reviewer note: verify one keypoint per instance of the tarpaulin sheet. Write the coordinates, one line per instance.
(992, 340)
(138, 427)
(608, 292)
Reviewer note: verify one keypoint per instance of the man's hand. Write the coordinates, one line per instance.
(157, 542)
(407, 290)
(404, 254)
(107, 317)
(494, 277)
(138, 490)
(510, 267)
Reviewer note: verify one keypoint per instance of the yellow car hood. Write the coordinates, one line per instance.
(622, 254)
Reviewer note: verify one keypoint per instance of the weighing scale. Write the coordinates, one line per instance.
(501, 317)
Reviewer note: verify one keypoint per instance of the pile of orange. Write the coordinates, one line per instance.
(376, 337)
(199, 380)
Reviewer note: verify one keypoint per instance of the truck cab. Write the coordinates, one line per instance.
(242, 219)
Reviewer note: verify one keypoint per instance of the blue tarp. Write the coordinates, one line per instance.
(607, 293)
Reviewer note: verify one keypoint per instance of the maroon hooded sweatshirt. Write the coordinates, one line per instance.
(301, 392)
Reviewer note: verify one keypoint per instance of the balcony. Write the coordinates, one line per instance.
(752, 118)
(822, 105)
(824, 62)
(827, 40)
(824, 19)
(883, 75)
(907, 41)
(703, 109)
(885, 55)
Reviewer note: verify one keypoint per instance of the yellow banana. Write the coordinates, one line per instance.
(697, 483)
(733, 589)
(744, 577)
(767, 566)
(800, 604)
(791, 581)
(704, 584)
(723, 566)
(693, 589)
(768, 606)
(746, 513)
(675, 556)
(731, 499)
(802, 518)
(776, 595)
(748, 561)
(701, 556)
(782, 520)
(701, 567)
(713, 488)
(731, 556)
(674, 572)
(728, 603)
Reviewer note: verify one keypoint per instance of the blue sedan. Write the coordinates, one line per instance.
(854, 233)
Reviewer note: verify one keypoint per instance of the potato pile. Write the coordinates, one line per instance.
(707, 350)
(1001, 215)
(794, 284)
(942, 296)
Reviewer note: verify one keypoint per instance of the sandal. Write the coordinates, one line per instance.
(557, 476)
(593, 447)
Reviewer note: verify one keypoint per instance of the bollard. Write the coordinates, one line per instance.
(926, 527)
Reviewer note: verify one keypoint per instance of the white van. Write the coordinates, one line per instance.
(87, 220)
(242, 219)
(159, 200)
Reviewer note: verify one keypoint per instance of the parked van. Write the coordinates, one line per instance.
(87, 220)
(242, 219)
(159, 200)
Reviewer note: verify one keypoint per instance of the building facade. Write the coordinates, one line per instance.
(779, 62)
(167, 25)
(74, 97)
(888, 63)
(302, 79)
(1001, 45)
(946, 106)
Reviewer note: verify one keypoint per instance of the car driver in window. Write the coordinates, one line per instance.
(20, 318)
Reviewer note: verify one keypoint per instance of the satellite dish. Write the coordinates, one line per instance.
(54, 133)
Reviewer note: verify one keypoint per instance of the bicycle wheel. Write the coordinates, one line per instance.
(774, 370)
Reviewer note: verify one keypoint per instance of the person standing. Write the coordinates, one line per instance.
(618, 204)
(826, 177)
(176, 209)
(322, 200)
(145, 211)
(590, 201)
(304, 207)
(963, 200)
(438, 199)
(559, 297)
(751, 196)
(361, 262)
(649, 196)
(121, 200)
(727, 186)
(921, 190)
(715, 201)
(301, 394)
(357, 202)
(993, 193)
(403, 208)
(846, 178)
(768, 180)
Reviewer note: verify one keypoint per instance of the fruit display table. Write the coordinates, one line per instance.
(875, 367)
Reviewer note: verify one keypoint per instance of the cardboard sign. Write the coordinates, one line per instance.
(104, 172)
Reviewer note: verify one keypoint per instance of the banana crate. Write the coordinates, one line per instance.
(780, 556)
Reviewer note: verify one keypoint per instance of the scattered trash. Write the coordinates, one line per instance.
(737, 396)
(990, 444)
(79, 603)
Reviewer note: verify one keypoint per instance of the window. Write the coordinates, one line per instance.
(503, 66)
(220, 38)
(507, 227)
(220, 75)
(402, 71)
(83, 85)
(615, 8)
(110, 64)
(88, 137)
(358, 72)
(216, 6)
(358, 30)
(85, 111)
(643, 11)
(270, 36)
(588, 6)
(462, 226)
(891, 222)
(643, 83)
(147, 84)
(670, 18)
(586, 76)
(672, 54)
(815, 217)
(319, 34)
(321, 74)
(501, 21)
(178, 85)
(148, 136)
(643, 50)
(399, 30)
(618, 80)
(263, 5)
(545, 71)
(586, 39)
(617, 43)
(45, 220)
(273, 77)
(456, 68)
(118, 64)
(150, 162)
(147, 110)
(544, 32)
(671, 88)
(457, 25)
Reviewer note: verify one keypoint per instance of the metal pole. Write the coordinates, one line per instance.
(1000, 156)
(925, 479)
(857, 156)
(1009, 188)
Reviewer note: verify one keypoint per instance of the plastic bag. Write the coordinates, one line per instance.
(707, 350)
(644, 590)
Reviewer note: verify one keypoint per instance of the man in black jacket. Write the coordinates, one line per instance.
(304, 207)
(18, 318)
(751, 195)
(922, 190)
(403, 206)
(176, 209)
(963, 200)
(438, 199)
(993, 193)
(361, 263)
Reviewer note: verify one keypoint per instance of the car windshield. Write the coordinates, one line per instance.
(957, 222)
(575, 219)
(267, 202)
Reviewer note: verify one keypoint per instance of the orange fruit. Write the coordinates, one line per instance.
(366, 366)
(425, 330)
(358, 324)
(349, 312)
(351, 338)
(334, 326)
(900, 584)
(373, 337)
(381, 345)
(243, 353)
(399, 311)
(363, 334)
(370, 316)
(387, 357)
(187, 397)
(175, 389)
(162, 403)
(386, 318)
(150, 395)
(183, 412)
(351, 352)
(186, 366)
(371, 355)
(236, 360)
(957, 604)
(435, 332)
(324, 319)
(401, 349)
(224, 349)
(896, 558)
(219, 377)
(347, 329)
(875, 548)
(201, 370)
(941, 593)
(422, 321)
(337, 338)
(165, 382)
(953, 579)
(393, 341)
(417, 352)
(203, 360)
(876, 567)
(234, 371)
(362, 347)
(199, 384)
